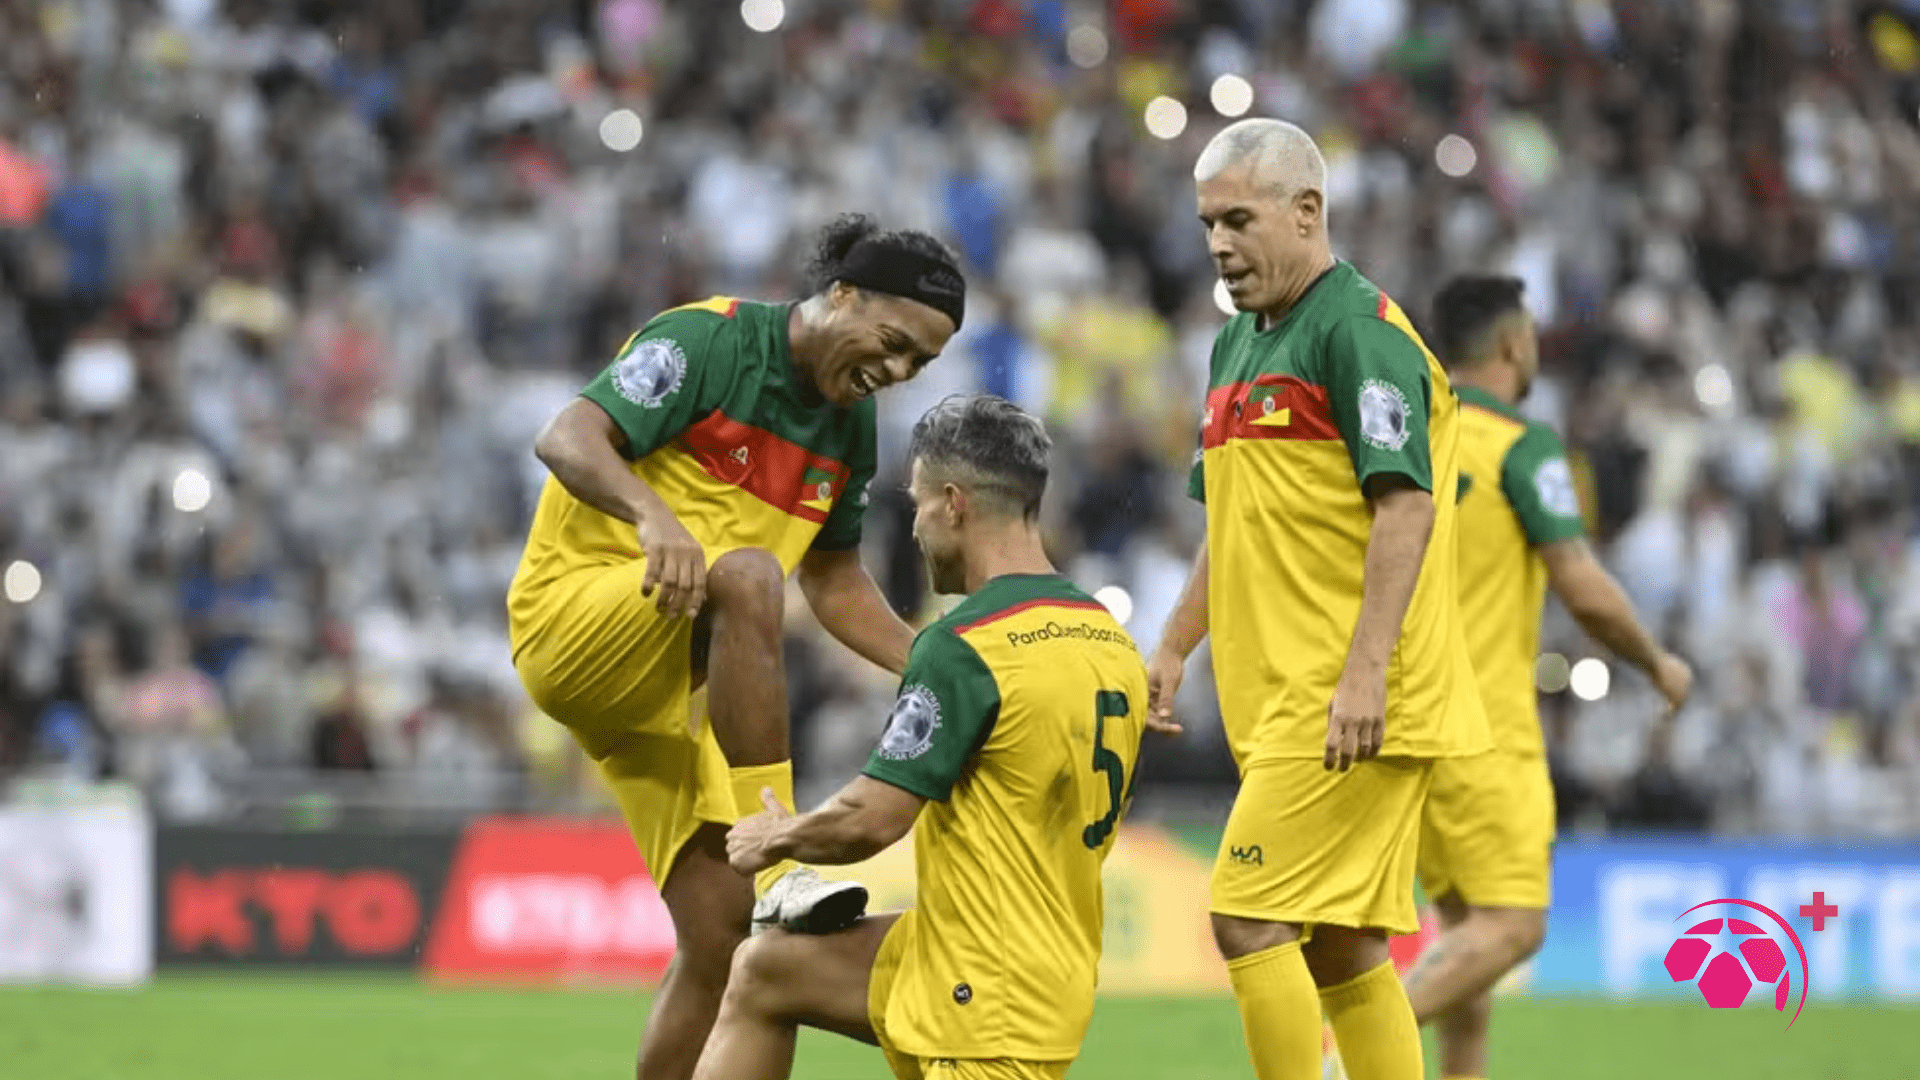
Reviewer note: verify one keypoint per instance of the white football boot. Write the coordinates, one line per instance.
(803, 902)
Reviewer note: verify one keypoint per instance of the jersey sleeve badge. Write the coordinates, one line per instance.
(910, 728)
(1383, 415)
(1553, 482)
(650, 372)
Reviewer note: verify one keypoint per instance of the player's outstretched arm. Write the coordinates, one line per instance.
(849, 604)
(864, 818)
(1602, 609)
(1403, 515)
(1185, 629)
(581, 447)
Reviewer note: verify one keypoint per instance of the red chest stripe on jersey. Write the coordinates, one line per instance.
(1028, 605)
(1269, 407)
(765, 466)
(1386, 305)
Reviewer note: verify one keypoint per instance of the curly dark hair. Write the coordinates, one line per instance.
(840, 235)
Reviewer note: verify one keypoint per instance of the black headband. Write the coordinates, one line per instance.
(903, 272)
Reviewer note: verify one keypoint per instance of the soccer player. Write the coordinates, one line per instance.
(1010, 753)
(1487, 836)
(1327, 582)
(729, 443)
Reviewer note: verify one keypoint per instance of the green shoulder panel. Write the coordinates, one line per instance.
(1538, 484)
(1381, 394)
(947, 706)
(678, 368)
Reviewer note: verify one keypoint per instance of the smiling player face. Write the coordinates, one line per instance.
(874, 340)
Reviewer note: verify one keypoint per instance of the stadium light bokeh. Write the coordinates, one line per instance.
(763, 16)
(1455, 156)
(1165, 117)
(192, 491)
(1550, 673)
(1086, 46)
(1117, 601)
(621, 130)
(22, 581)
(1231, 95)
(1590, 679)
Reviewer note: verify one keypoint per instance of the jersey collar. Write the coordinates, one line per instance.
(1473, 395)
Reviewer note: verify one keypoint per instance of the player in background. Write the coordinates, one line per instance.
(1487, 837)
(1010, 753)
(1327, 580)
(728, 445)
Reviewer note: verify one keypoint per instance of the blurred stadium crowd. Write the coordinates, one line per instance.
(288, 287)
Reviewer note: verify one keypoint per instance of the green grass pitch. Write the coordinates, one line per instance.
(253, 1028)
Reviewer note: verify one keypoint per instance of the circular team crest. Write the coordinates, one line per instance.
(650, 371)
(1553, 481)
(1383, 415)
(910, 728)
(825, 490)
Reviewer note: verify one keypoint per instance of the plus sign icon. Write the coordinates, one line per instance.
(1727, 956)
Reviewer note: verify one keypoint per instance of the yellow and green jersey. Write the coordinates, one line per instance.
(1516, 494)
(719, 424)
(1298, 417)
(1019, 716)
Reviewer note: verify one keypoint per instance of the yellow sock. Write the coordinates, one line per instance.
(1279, 1011)
(746, 784)
(1373, 1021)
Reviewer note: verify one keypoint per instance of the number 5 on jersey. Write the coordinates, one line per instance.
(1119, 789)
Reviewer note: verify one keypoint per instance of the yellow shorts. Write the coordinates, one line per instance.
(1308, 845)
(886, 965)
(1488, 831)
(603, 661)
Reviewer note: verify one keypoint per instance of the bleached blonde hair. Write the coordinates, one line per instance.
(1275, 152)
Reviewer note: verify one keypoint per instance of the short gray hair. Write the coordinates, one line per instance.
(1274, 150)
(989, 445)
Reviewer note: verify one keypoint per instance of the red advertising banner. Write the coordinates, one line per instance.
(549, 899)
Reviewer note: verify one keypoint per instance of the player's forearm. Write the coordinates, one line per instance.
(1396, 546)
(1187, 626)
(1602, 609)
(590, 467)
(849, 604)
(841, 832)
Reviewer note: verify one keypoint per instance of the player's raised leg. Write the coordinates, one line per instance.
(747, 708)
(781, 981)
(709, 904)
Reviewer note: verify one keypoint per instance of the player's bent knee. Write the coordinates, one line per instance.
(1236, 937)
(748, 579)
(1523, 930)
(767, 969)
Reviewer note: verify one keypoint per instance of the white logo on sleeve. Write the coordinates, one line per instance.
(650, 371)
(1383, 415)
(910, 728)
(1553, 482)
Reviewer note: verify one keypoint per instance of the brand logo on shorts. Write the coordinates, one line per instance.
(962, 994)
(650, 371)
(1246, 856)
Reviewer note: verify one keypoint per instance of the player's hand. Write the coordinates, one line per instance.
(1164, 674)
(1356, 719)
(676, 565)
(750, 843)
(1674, 679)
